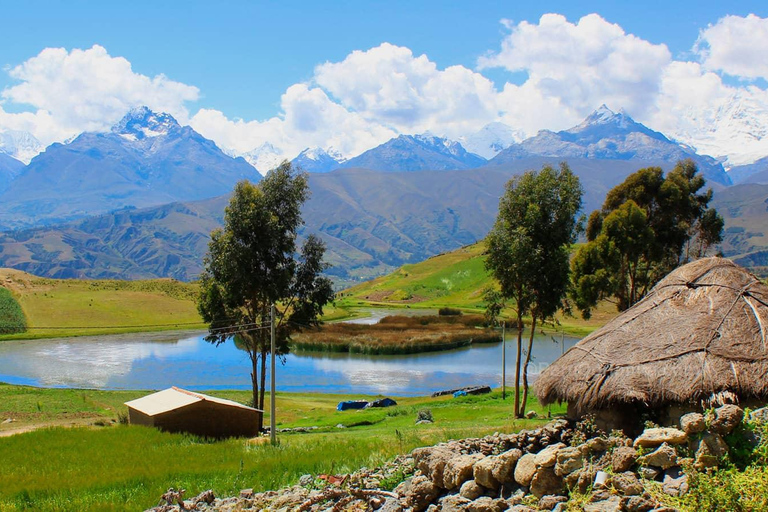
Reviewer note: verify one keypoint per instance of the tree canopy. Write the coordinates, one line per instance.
(648, 225)
(252, 263)
(529, 247)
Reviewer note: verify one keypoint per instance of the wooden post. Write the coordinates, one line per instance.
(272, 422)
(503, 361)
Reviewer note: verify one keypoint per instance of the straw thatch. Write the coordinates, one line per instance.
(701, 330)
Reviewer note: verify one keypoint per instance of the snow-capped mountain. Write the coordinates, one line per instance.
(491, 139)
(145, 159)
(264, 158)
(22, 146)
(608, 135)
(416, 153)
(319, 160)
(735, 132)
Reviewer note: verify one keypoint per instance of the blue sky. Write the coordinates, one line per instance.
(243, 57)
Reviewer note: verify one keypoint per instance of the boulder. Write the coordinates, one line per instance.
(568, 460)
(504, 470)
(726, 419)
(692, 423)
(653, 437)
(550, 501)
(471, 490)
(483, 472)
(623, 458)
(454, 503)
(675, 482)
(627, 484)
(545, 481)
(649, 473)
(639, 504)
(525, 469)
(663, 457)
(759, 415)
(709, 450)
(612, 504)
(547, 457)
(458, 470)
(431, 462)
(418, 492)
(597, 444)
(485, 504)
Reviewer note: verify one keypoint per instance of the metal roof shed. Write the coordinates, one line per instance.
(179, 410)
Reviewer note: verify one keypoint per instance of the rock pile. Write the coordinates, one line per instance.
(530, 470)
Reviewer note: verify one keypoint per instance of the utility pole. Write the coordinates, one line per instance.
(503, 361)
(272, 432)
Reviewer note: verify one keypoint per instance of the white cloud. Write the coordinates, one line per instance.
(737, 46)
(85, 90)
(576, 67)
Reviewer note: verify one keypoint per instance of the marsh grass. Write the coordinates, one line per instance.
(397, 335)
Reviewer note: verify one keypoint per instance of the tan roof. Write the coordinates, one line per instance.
(175, 398)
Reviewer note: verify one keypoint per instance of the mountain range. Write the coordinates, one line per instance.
(141, 200)
(146, 159)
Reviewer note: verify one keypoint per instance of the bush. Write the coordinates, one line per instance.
(424, 415)
(12, 318)
(449, 312)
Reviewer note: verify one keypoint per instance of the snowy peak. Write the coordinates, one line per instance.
(264, 158)
(142, 123)
(491, 139)
(417, 153)
(22, 146)
(319, 160)
(606, 118)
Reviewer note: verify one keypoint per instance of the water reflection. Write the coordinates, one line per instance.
(147, 361)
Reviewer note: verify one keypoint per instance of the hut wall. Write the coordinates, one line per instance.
(139, 418)
(210, 419)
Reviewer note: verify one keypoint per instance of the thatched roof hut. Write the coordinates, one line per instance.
(700, 331)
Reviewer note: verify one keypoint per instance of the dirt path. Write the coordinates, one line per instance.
(11, 429)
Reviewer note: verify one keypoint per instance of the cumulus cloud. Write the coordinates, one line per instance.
(736, 46)
(577, 66)
(85, 90)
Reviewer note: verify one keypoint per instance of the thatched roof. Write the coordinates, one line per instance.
(701, 330)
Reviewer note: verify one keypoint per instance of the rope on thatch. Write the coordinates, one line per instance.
(683, 341)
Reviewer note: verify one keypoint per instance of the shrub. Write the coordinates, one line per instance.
(424, 415)
(449, 312)
(12, 318)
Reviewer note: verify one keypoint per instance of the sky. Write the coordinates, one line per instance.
(352, 74)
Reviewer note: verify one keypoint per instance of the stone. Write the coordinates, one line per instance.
(391, 505)
(639, 504)
(693, 423)
(454, 503)
(418, 492)
(550, 501)
(246, 494)
(709, 450)
(568, 460)
(726, 419)
(649, 473)
(612, 504)
(483, 472)
(759, 415)
(623, 458)
(545, 481)
(663, 457)
(458, 470)
(675, 482)
(547, 457)
(653, 437)
(485, 504)
(521, 508)
(504, 469)
(431, 462)
(531, 414)
(627, 484)
(424, 422)
(525, 469)
(597, 444)
(471, 490)
(306, 480)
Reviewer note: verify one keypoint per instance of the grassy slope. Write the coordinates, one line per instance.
(127, 468)
(454, 279)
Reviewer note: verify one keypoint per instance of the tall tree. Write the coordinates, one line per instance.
(648, 225)
(528, 250)
(252, 264)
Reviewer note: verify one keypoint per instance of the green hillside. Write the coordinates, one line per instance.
(454, 279)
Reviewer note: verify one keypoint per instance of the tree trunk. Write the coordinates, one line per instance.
(525, 367)
(520, 326)
(255, 382)
(263, 377)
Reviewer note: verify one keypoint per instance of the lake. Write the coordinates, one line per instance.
(185, 359)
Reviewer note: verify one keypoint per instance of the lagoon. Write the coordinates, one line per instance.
(185, 359)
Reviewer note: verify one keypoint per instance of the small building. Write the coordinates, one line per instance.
(179, 410)
(700, 333)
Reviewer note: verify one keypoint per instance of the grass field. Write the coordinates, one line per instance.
(455, 279)
(120, 467)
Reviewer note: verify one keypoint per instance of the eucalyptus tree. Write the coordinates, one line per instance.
(528, 251)
(253, 263)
